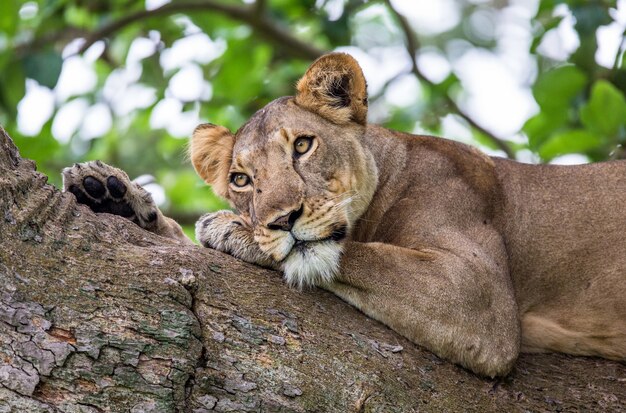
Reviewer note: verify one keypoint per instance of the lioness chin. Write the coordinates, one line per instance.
(475, 258)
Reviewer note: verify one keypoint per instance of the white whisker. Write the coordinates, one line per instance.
(347, 193)
(346, 201)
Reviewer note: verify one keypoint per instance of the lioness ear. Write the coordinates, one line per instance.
(211, 153)
(334, 87)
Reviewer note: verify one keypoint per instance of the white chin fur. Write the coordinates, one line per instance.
(312, 264)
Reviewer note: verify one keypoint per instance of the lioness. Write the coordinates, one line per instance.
(475, 258)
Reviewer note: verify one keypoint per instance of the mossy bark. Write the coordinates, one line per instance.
(101, 316)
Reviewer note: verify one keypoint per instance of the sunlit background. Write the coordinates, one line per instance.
(126, 82)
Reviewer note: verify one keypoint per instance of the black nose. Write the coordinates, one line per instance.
(286, 222)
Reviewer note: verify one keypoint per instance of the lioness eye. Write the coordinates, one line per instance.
(240, 180)
(303, 144)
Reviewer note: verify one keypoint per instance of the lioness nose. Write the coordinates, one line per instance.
(286, 222)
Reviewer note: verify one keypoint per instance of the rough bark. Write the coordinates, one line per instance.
(98, 315)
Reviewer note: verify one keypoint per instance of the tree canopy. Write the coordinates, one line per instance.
(126, 81)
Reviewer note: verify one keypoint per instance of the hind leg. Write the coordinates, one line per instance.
(104, 188)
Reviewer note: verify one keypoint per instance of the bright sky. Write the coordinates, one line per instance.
(496, 84)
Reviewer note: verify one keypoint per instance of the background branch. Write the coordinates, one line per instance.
(250, 15)
(261, 5)
(412, 46)
(66, 35)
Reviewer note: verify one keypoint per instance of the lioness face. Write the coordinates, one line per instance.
(297, 176)
(298, 179)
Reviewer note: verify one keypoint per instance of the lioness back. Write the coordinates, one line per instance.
(565, 231)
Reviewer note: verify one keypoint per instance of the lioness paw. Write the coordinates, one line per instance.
(226, 232)
(104, 188)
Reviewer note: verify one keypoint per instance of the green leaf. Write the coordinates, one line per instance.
(186, 192)
(12, 87)
(541, 126)
(573, 141)
(546, 6)
(9, 16)
(605, 112)
(80, 17)
(589, 16)
(241, 78)
(555, 89)
(44, 67)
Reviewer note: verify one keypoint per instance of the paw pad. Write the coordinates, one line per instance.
(117, 189)
(93, 187)
(106, 189)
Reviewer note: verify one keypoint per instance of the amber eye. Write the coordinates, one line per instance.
(302, 145)
(239, 180)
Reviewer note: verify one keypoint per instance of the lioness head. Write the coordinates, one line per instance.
(297, 171)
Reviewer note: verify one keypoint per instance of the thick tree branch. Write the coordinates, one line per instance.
(250, 15)
(412, 46)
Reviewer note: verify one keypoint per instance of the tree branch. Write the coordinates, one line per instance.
(261, 6)
(247, 14)
(412, 45)
(66, 35)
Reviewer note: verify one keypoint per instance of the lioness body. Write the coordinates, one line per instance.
(562, 228)
(564, 231)
(473, 257)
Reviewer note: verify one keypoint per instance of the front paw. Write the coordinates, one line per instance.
(215, 230)
(226, 232)
(104, 188)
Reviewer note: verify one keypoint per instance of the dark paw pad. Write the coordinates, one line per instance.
(117, 188)
(80, 195)
(94, 194)
(93, 187)
(118, 208)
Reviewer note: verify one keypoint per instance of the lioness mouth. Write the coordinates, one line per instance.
(337, 235)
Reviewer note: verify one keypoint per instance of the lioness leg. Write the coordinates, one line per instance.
(104, 188)
(225, 231)
(458, 304)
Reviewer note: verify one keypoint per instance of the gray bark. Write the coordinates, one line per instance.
(98, 315)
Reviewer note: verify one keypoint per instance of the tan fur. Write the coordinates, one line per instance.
(210, 152)
(472, 257)
(330, 79)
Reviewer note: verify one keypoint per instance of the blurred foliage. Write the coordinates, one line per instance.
(582, 105)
